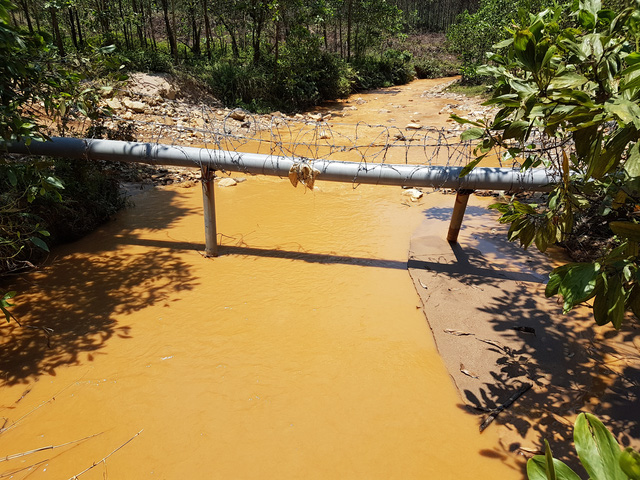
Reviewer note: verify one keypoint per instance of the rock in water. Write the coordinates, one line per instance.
(227, 182)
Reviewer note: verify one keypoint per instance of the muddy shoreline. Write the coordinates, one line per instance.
(497, 333)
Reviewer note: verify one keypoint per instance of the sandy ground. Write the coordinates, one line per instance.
(497, 333)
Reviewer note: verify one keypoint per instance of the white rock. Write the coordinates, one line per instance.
(134, 106)
(114, 104)
(414, 193)
(413, 126)
(238, 115)
(227, 182)
(316, 117)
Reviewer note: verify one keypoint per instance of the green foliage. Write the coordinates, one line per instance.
(435, 68)
(579, 86)
(392, 68)
(473, 34)
(598, 451)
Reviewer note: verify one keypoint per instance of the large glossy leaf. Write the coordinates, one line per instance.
(537, 470)
(578, 284)
(472, 134)
(597, 449)
(626, 111)
(568, 80)
(632, 165)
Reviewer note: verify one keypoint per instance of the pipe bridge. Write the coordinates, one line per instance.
(211, 160)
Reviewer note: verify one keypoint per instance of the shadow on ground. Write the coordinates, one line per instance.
(69, 309)
(504, 334)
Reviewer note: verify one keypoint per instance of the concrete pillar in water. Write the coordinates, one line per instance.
(208, 200)
(462, 198)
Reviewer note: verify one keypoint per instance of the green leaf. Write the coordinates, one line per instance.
(628, 230)
(537, 469)
(630, 463)
(463, 121)
(503, 43)
(470, 166)
(632, 165)
(597, 449)
(632, 58)
(13, 180)
(522, 40)
(54, 182)
(38, 242)
(578, 284)
(626, 111)
(587, 19)
(472, 134)
(568, 80)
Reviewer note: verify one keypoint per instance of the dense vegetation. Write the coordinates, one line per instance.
(573, 74)
(260, 54)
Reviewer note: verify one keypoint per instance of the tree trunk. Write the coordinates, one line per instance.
(56, 31)
(170, 35)
(79, 28)
(25, 9)
(72, 25)
(349, 7)
(207, 27)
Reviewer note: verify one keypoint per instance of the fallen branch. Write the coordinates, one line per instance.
(95, 464)
(496, 411)
(48, 447)
(14, 424)
(13, 472)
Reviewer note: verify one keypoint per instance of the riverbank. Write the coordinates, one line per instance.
(498, 334)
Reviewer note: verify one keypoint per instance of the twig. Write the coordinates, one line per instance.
(4, 429)
(95, 464)
(48, 447)
(13, 472)
(494, 413)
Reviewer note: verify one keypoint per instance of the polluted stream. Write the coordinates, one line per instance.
(300, 352)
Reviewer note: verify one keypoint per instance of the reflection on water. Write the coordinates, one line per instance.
(298, 353)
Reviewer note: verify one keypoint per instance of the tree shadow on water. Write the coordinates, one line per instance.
(70, 308)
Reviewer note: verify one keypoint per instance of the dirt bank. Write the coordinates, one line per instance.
(498, 334)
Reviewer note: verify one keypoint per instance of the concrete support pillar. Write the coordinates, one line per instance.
(462, 198)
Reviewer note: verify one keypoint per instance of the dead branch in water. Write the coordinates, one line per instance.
(14, 424)
(13, 472)
(48, 447)
(494, 413)
(104, 459)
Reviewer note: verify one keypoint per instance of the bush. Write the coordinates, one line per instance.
(393, 68)
(435, 68)
(47, 202)
(148, 61)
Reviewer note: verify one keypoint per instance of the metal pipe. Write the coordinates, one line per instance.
(480, 178)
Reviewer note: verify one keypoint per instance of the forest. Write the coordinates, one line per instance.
(285, 54)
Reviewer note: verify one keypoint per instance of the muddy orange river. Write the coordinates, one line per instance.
(300, 352)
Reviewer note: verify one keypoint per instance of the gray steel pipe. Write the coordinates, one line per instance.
(481, 178)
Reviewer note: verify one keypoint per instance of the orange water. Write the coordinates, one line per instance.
(300, 352)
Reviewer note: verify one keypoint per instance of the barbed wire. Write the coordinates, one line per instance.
(304, 138)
